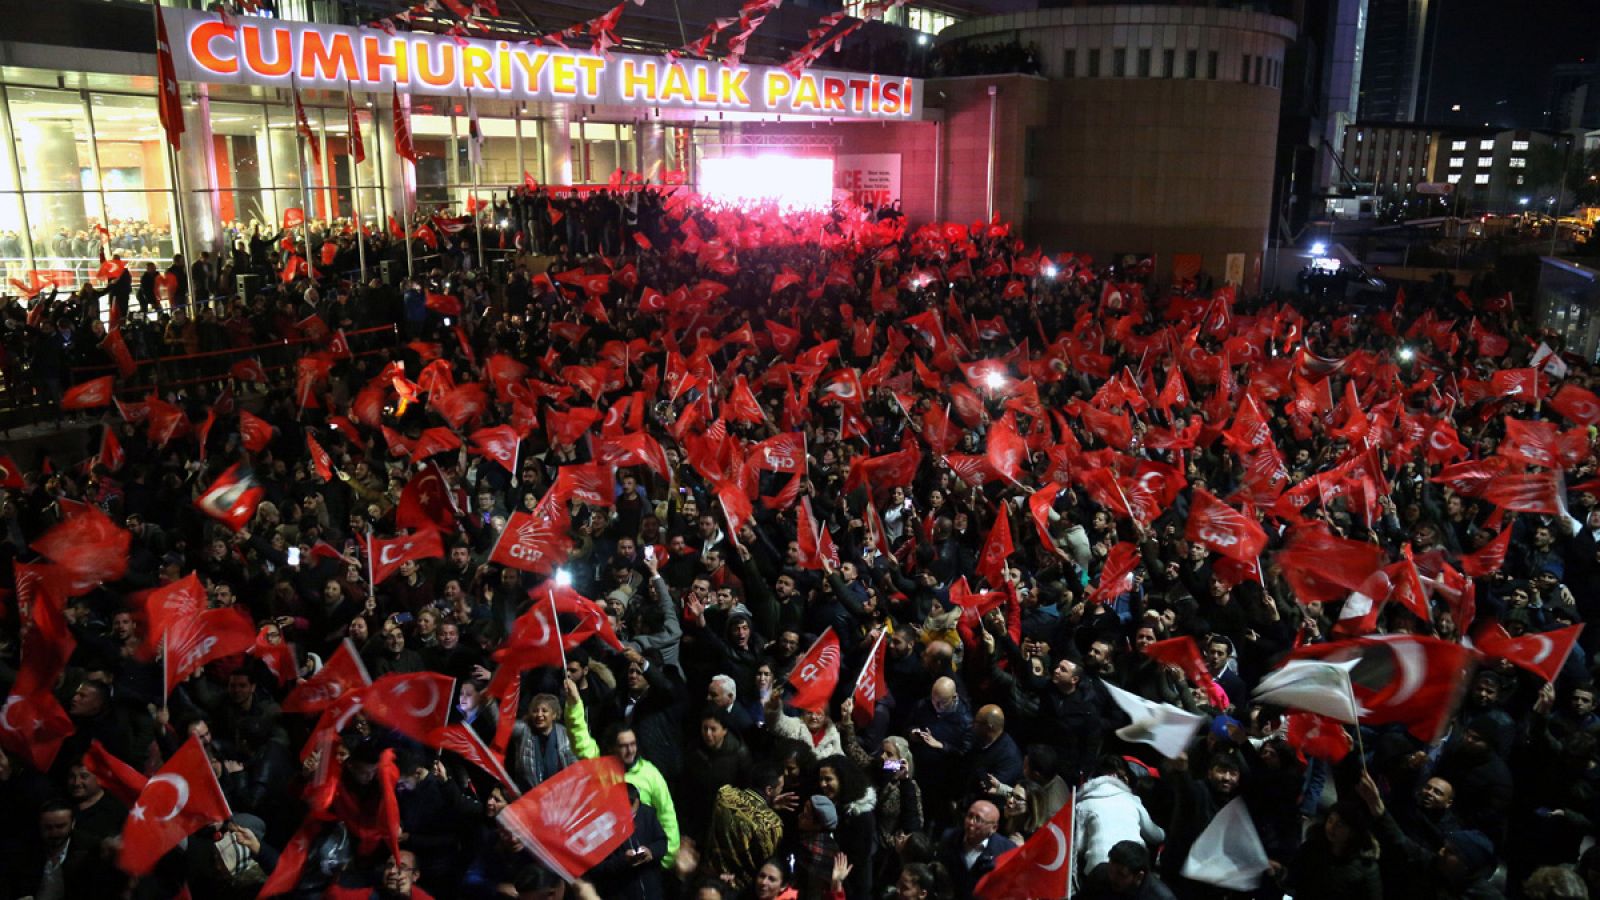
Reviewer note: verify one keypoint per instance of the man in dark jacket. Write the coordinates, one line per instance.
(969, 851)
(633, 870)
(1125, 875)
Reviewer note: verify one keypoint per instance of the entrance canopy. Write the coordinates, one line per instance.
(273, 53)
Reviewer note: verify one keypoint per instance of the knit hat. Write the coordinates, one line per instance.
(827, 814)
(1473, 849)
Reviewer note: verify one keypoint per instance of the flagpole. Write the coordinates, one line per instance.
(372, 586)
(355, 178)
(475, 161)
(166, 666)
(555, 625)
(305, 195)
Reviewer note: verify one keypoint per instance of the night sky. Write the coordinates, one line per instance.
(1494, 57)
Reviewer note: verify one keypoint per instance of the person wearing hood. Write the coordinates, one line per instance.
(1459, 870)
(720, 758)
(1107, 813)
(839, 780)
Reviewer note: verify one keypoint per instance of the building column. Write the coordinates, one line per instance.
(557, 146)
(49, 151)
(197, 164)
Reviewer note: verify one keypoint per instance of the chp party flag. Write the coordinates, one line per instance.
(573, 821)
(534, 542)
(177, 801)
(1041, 867)
(1223, 528)
(191, 643)
(871, 684)
(91, 394)
(816, 673)
(344, 674)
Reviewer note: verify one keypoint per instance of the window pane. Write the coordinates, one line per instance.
(52, 134)
(13, 243)
(61, 223)
(130, 142)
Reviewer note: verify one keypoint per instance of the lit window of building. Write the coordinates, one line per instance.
(1481, 178)
(1486, 144)
(1453, 178)
(1457, 162)
(1519, 145)
(1518, 162)
(1485, 162)
(1458, 145)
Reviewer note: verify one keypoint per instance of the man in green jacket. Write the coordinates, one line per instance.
(639, 772)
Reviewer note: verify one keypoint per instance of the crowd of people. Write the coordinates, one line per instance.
(881, 551)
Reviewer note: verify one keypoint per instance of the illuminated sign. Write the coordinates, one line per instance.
(269, 53)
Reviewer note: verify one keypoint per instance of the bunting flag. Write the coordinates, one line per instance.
(403, 146)
(169, 101)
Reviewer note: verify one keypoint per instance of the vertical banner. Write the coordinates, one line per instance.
(871, 179)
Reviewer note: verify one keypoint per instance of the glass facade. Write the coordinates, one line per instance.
(76, 161)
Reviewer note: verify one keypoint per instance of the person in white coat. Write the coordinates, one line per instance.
(1107, 812)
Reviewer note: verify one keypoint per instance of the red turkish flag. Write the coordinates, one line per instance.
(1542, 653)
(169, 103)
(871, 684)
(785, 340)
(1576, 404)
(249, 370)
(33, 727)
(254, 431)
(193, 642)
(806, 528)
(403, 145)
(997, 549)
(1488, 559)
(816, 673)
(11, 473)
(1006, 451)
(111, 454)
(534, 542)
(232, 499)
(1041, 867)
(386, 556)
(343, 675)
(1402, 678)
(415, 704)
(1223, 528)
(426, 502)
(87, 548)
(574, 820)
(1317, 736)
(176, 802)
(91, 394)
(1444, 445)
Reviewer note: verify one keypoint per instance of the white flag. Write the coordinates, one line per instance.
(1165, 727)
(1314, 686)
(1228, 853)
